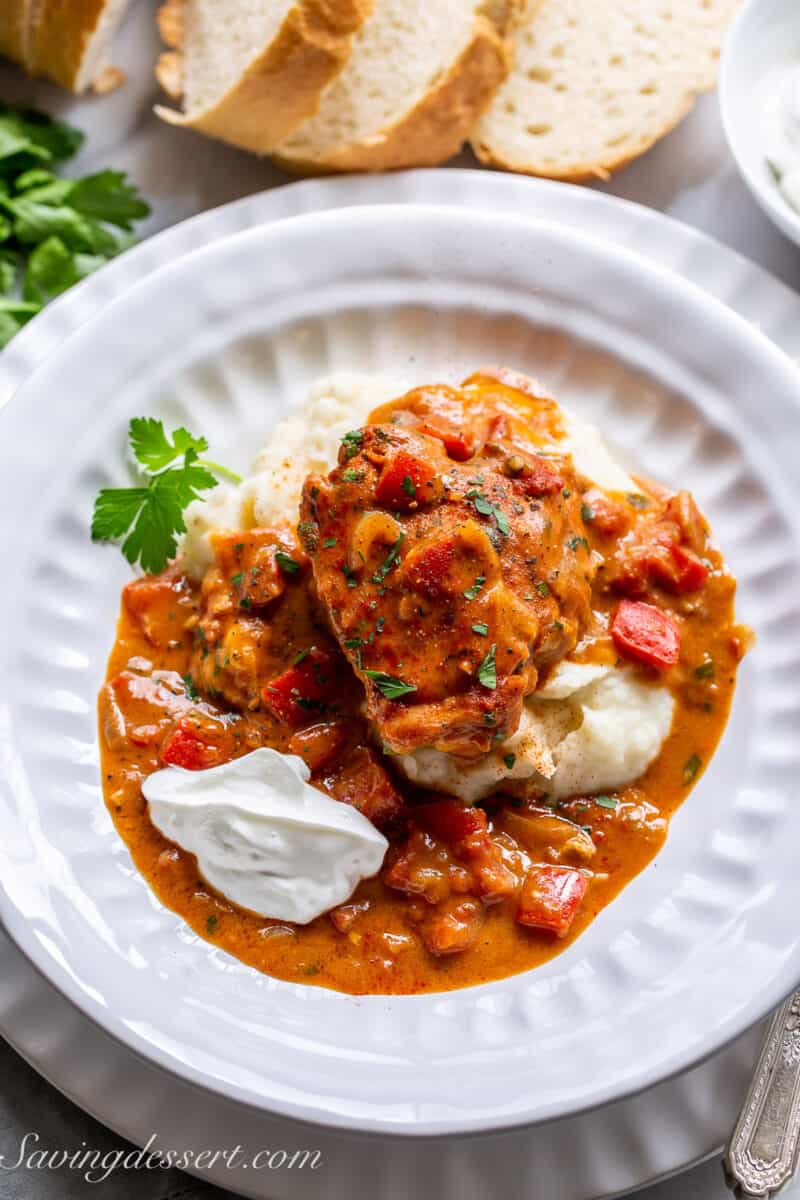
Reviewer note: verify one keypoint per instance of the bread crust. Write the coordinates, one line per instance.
(437, 127)
(13, 27)
(598, 168)
(282, 87)
(60, 34)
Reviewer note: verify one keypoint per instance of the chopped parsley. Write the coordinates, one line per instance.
(637, 501)
(472, 592)
(245, 602)
(237, 578)
(191, 690)
(481, 629)
(691, 767)
(705, 670)
(509, 760)
(211, 925)
(487, 671)
(379, 624)
(352, 475)
(487, 509)
(286, 563)
(387, 564)
(352, 443)
(408, 487)
(302, 654)
(350, 576)
(329, 543)
(389, 685)
(587, 513)
(543, 587)
(575, 542)
(605, 802)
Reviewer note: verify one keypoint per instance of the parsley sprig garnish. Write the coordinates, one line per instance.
(148, 518)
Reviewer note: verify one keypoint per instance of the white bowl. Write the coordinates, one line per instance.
(763, 44)
(699, 946)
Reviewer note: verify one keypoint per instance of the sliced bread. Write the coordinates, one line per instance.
(595, 85)
(420, 74)
(251, 71)
(14, 29)
(70, 42)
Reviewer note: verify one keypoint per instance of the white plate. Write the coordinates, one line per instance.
(612, 1150)
(222, 340)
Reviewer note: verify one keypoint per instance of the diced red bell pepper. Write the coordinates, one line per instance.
(449, 820)
(184, 747)
(404, 481)
(550, 898)
(459, 445)
(647, 634)
(541, 479)
(427, 568)
(690, 572)
(298, 695)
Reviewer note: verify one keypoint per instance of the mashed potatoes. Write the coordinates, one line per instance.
(305, 442)
(593, 727)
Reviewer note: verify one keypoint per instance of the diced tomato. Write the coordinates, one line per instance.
(608, 517)
(303, 690)
(185, 748)
(449, 820)
(362, 781)
(691, 572)
(320, 745)
(427, 568)
(159, 604)
(404, 481)
(453, 929)
(682, 510)
(551, 897)
(458, 444)
(647, 634)
(540, 479)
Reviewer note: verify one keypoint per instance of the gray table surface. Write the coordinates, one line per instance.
(690, 175)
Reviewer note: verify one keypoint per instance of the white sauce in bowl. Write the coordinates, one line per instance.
(782, 135)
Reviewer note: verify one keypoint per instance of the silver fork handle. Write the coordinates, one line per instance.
(762, 1154)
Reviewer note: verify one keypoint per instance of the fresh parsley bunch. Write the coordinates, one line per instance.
(53, 231)
(149, 517)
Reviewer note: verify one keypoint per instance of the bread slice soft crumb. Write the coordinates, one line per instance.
(595, 85)
(253, 70)
(419, 76)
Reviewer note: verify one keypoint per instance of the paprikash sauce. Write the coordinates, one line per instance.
(189, 666)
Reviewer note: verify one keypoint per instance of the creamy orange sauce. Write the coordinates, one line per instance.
(377, 947)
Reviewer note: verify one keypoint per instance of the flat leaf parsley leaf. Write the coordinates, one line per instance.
(389, 686)
(487, 671)
(148, 518)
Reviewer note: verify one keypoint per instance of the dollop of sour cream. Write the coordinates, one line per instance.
(264, 837)
(782, 135)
